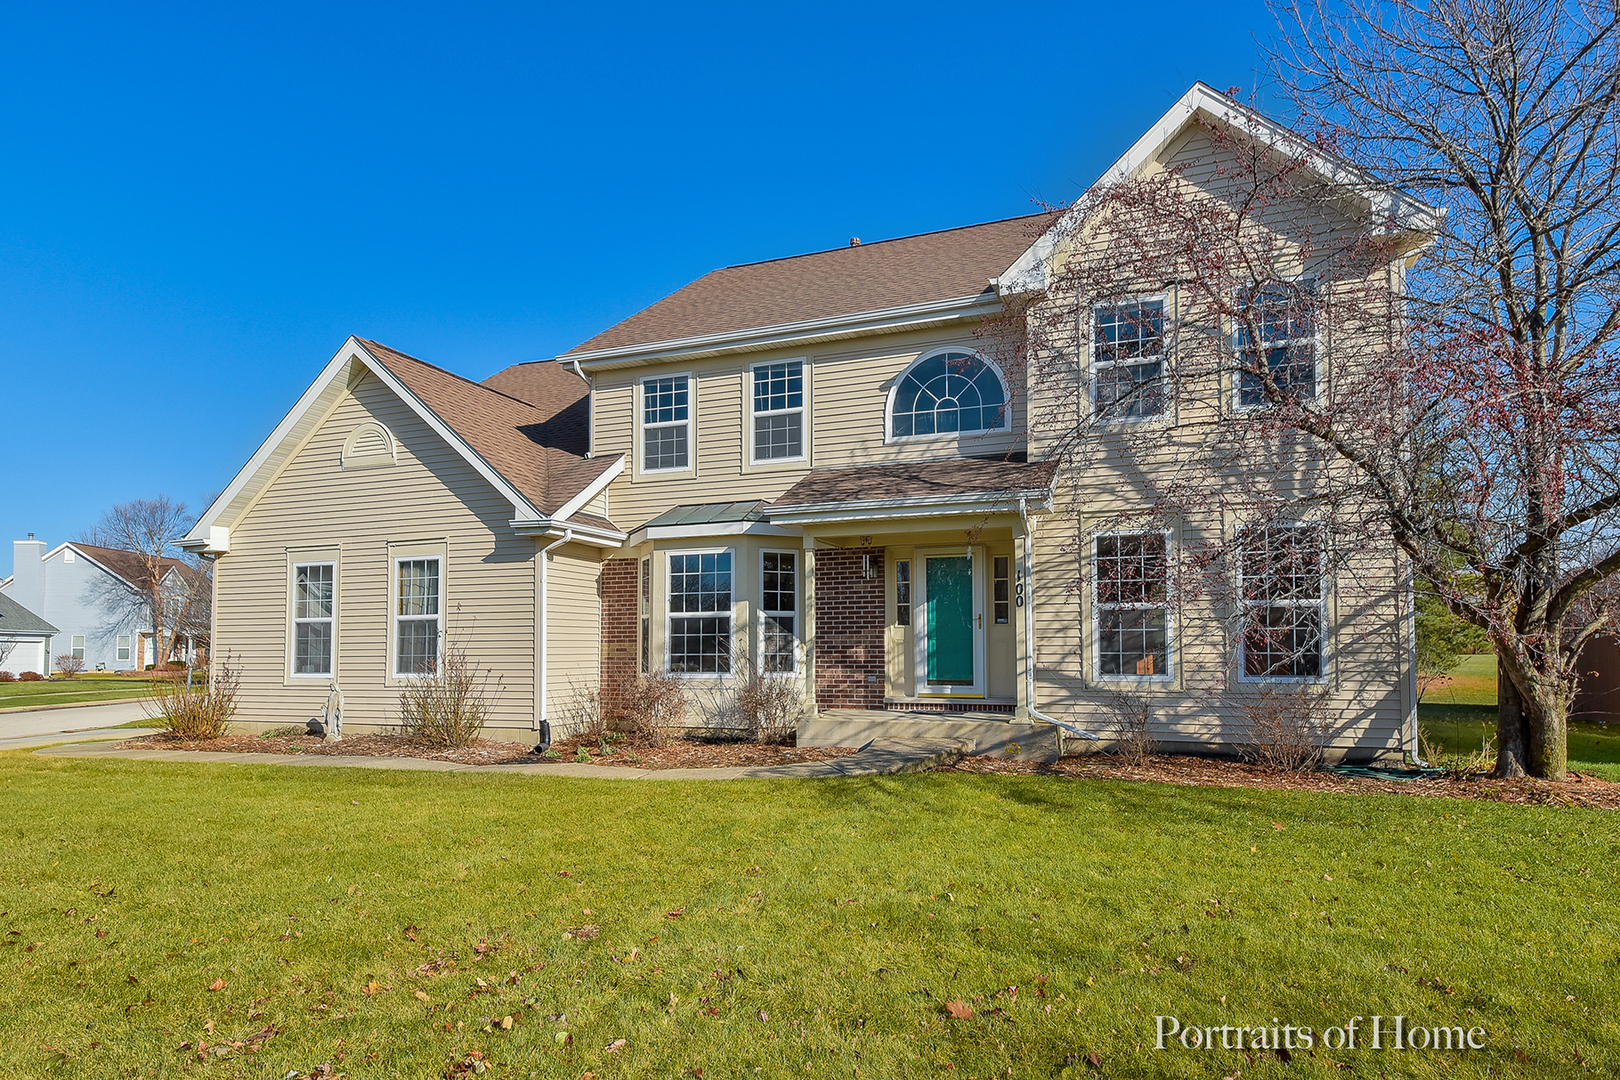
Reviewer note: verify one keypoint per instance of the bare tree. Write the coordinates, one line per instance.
(1504, 112)
(156, 584)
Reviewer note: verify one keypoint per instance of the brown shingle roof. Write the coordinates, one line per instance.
(961, 477)
(132, 566)
(515, 437)
(556, 391)
(945, 265)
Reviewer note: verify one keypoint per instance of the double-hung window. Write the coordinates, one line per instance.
(314, 593)
(1280, 582)
(77, 647)
(123, 646)
(666, 423)
(1127, 360)
(779, 612)
(700, 613)
(418, 615)
(779, 411)
(1131, 575)
(1276, 339)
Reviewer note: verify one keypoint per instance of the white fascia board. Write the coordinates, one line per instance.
(351, 352)
(553, 527)
(698, 531)
(925, 506)
(1028, 273)
(91, 559)
(592, 490)
(783, 334)
(199, 532)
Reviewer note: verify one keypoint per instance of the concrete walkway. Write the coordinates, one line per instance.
(882, 757)
(56, 723)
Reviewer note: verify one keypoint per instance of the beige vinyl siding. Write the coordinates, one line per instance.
(1118, 469)
(848, 388)
(431, 495)
(573, 631)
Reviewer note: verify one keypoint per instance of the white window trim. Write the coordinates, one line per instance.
(798, 623)
(670, 617)
(394, 617)
(1093, 366)
(1320, 603)
(1170, 628)
(953, 436)
(1318, 358)
(690, 422)
(76, 646)
(127, 648)
(803, 410)
(293, 620)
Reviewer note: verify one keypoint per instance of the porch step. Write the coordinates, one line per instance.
(880, 757)
(950, 705)
(986, 734)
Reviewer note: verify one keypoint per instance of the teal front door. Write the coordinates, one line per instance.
(950, 659)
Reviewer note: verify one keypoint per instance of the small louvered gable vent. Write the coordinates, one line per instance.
(368, 446)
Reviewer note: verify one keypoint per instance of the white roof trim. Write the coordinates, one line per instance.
(592, 490)
(584, 534)
(782, 333)
(352, 352)
(1028, 273)
(91, 559)
(920, 506)
(700, 530)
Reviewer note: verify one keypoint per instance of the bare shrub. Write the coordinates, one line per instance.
(8, 676)
(196, 709)
(70, 665)
(767, 708)
(30, 676)
(1130, 721)
(647, 705)
(448, 705)
(1459, 766)
(1287, 727)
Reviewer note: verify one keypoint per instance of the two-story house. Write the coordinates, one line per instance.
(816, 468)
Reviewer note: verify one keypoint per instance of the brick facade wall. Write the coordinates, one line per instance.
(849, 629)
(621, 614)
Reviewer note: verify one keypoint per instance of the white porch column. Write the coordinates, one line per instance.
(808, 634)
(1022, 638)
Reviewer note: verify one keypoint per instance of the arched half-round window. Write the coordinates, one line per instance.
(948, 393)
(369, 446)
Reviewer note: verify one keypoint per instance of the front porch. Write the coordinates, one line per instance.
(992, 734)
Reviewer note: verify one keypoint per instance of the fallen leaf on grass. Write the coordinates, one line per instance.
(677, 913)
(958, 1010)
(420, 996)
(615, 1046)
(217, 984)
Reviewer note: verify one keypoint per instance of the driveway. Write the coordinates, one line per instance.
(40, 726)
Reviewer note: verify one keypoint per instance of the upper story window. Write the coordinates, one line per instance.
(1127, 360)
(779, 411)
(1276, 338)
(948, 393)
(666, 423)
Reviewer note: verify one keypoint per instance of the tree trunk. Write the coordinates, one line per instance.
(1547, 734)
(1511, 736)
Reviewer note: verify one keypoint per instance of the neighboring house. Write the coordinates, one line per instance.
(808, 467)
(74, 586)
(25, 639)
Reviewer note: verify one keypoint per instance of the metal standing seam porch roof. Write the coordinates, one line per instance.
(709, 514)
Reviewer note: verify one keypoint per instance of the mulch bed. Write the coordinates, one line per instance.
(693, 752)
(1580, 790)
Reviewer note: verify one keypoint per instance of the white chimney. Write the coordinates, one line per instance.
(28, 574)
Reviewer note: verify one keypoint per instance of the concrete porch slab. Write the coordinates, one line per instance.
(985, 734)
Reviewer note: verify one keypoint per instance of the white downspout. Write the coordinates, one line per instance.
(544, 650)
(1029, 631)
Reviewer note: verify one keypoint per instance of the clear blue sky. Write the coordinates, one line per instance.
(198, 205)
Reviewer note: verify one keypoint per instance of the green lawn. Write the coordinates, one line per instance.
(85, 688)
(787, 928)
(1460, 714)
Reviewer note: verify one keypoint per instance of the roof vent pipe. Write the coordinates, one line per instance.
(854, 241)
